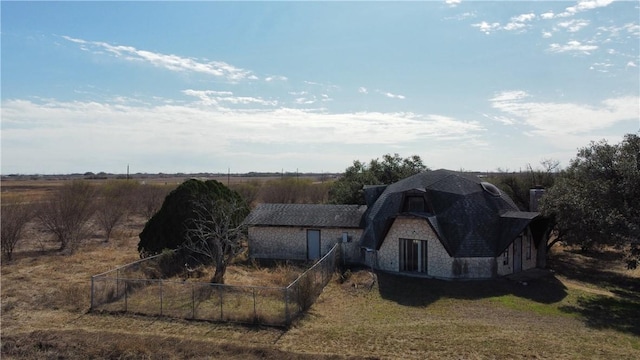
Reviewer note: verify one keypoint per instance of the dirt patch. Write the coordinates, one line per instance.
(357, 280)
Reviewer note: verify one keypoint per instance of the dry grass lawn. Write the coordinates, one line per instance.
(588, 308)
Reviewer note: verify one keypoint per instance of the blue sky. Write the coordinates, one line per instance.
(266, 86)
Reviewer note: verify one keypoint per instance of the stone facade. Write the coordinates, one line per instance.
(286, 242)
(528, 254)
(439, 263)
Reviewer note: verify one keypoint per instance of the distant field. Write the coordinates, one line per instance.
(35, 187)
(588, 308)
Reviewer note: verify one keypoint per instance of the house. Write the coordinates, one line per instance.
(303, 231)
(441, 223)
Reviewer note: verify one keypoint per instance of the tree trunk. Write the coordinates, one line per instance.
(218, 276)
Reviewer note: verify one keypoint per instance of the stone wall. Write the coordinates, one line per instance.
(272, 242)
(439, 263)
(527, 263)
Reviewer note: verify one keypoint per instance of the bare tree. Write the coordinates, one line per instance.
(248, 190)
(66, 213)
(15, 215)
(217, 233)
(113, 204)
(150, 198)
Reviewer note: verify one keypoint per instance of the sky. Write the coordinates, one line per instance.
(312, 86)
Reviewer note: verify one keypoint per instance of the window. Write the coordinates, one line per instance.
(413, 255)
(415, 204)
(505, 257)
(490, 188)
(527, 247)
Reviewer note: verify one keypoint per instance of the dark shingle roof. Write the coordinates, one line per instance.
(309, 215)
(471, 219)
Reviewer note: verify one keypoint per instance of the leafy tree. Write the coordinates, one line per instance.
(349, 188)
(216, 233)
(67, 212)
(15, 215)
(596, 201)
(166, 229)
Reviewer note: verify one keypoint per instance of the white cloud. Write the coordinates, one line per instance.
(168, 62)
(547, 34)
(552, 119)
(633, 29)
(518, 22)
(304, 101)
(514, 26)
(584, 5)
(574, 25)
(602, 67)
(217, 98)
(501, 119)
(572, 46)
(486, 27)
(275, 78)
(452, 3)
(506, 96)
(524, 17)
(363, 90)
(547, 16)
(92, 132)
(462, 16)
(631, 64)
(391, 95)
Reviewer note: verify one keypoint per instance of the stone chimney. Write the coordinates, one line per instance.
(534, 198)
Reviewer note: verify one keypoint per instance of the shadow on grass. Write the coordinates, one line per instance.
(622, 312)
(417, 291)
(595, 268)
(604, 312)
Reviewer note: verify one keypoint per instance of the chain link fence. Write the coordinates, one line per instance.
(148, 287)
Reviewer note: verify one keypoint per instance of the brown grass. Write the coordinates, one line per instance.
(589, 308)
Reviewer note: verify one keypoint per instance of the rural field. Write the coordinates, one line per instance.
(587, 305)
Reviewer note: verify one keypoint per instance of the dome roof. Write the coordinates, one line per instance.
(472, 218)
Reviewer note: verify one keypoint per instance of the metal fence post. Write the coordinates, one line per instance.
(125, 295)
(287, 317)
(255, 314)
(160, 297)
(193, 301)
(220, 289)
(91, 306)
